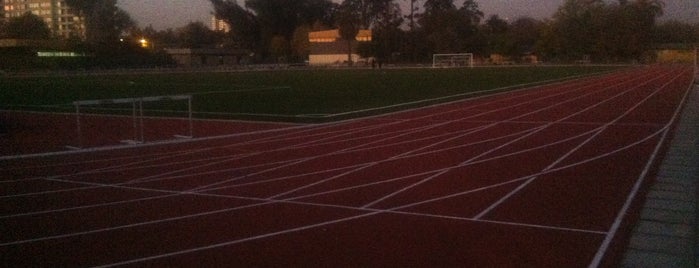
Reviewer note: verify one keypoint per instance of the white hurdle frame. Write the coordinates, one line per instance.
(136, 115)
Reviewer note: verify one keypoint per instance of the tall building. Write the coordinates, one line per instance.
(56, 14)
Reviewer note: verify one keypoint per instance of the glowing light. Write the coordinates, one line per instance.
(144, 43)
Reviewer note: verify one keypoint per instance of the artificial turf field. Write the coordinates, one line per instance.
(280, 95)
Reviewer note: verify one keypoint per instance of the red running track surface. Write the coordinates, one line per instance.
(542, 177)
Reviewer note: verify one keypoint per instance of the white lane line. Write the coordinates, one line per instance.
(559, 160)
(535, 131)
(57, 191)
(572, 83)
(392, 210)
(450, 139)
(265, 201)
(604, 247)
(83, 188)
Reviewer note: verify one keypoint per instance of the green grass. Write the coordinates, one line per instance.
(291, 92)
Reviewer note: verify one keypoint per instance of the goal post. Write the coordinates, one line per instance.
(136, 111)
(454, 60)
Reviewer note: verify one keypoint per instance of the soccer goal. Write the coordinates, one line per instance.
(452, 60)
(133, 109)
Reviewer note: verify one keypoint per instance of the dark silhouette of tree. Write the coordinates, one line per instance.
(245, 27)
(447, 29)
(605, 31)
(349, 25)
(104, 22)
(27, 26)
(411, 15)
(676, 32)
(269, 25)
(196, 35)
(525, 33)
(387, 32)
(495, 30)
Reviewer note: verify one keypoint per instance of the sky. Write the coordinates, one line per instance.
(163, 14)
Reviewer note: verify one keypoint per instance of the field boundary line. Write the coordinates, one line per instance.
(457, 97)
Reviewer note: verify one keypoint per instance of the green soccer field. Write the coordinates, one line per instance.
(282, 95)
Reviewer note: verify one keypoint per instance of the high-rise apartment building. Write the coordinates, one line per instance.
(56, 14)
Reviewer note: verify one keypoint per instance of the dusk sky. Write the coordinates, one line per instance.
(163, 14)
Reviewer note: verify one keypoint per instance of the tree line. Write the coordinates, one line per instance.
(277, 30)
(602, 31)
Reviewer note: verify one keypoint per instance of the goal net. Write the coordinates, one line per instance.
(452, 60)
(132, 120)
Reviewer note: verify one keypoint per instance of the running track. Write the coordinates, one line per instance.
(542, 177)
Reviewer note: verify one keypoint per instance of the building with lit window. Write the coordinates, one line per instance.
(328, 48)
(218, 25)
(56, 13)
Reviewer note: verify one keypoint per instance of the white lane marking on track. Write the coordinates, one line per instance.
(604, 247)
(529, 181)
(447, 140)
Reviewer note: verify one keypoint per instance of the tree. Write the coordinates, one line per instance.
(641, 17)
(262, 23)
(438, 26)
(245, 27)
(496, 31)
(471, 13)
(410, 46)
(676, 32)
(349, 25)
(282, 17)
(368, 12)
(104, 22)
(27, 26)
(606, 32)
(524, 33)
(411, 15)
(448, 29)
(438, 6)
(577, 25)
(196, 35)
(386, 31)
(300, 46)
